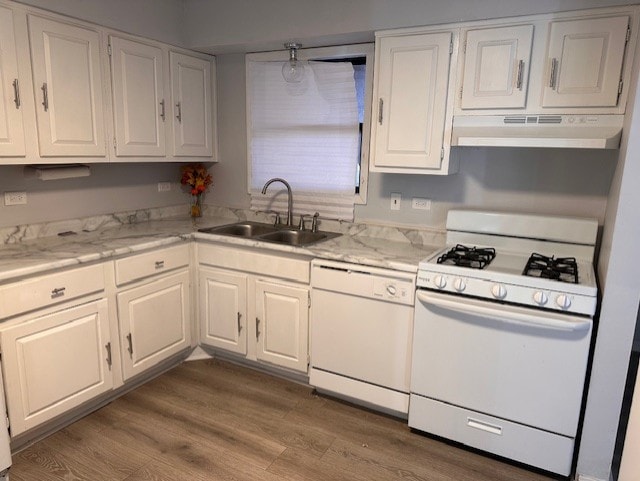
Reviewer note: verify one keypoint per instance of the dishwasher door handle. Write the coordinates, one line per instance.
(542, 319)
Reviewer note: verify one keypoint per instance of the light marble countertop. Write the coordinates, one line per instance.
(372, 246)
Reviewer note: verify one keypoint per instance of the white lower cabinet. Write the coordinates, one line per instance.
(154, 307)
(282, 324)
(255, 305)
(55, 362)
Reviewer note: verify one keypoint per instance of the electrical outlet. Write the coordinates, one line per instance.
(420, 203)
(395, 201)
(164, 186)
(15, 198)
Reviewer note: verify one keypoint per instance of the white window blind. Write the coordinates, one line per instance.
(306, 133)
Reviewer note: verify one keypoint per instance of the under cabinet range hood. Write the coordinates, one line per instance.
(556, 131)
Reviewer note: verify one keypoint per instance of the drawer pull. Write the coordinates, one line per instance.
(16, 93)
(57, 292)
(257, 328)
(159, 264)
(108, 347)
(239, 325)
(130, 348)
(45, 97)
(483, 426)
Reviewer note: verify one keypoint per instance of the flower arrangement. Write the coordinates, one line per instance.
(197, 179)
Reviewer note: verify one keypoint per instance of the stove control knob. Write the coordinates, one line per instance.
(459, 284)
(499, 291)
(540, 298)
(439, 281)
(563, 301)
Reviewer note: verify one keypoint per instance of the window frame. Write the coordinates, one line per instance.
(324, 53)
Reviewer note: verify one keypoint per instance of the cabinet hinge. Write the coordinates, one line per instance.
(115, 143)
(451, 47)
(628, 37)
(460, 93)
(464, 47)
(620, 85)
(442, 153)
(109, 49)
(309, 299)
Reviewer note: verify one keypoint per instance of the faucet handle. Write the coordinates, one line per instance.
(301, 225)
(314, 222)
(276, 213)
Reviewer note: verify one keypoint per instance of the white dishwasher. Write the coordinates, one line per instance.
(361, 333)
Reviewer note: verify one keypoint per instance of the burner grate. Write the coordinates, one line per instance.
(460, 255)
(564, 269)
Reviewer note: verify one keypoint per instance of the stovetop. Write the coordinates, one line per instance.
(524, 278)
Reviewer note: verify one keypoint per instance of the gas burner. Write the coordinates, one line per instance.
(468, 256)
(564, 269)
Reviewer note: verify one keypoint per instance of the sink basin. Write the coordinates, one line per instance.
(269, 233)
(240, 229)
(294, 237)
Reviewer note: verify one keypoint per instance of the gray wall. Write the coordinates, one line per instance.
(213, 25)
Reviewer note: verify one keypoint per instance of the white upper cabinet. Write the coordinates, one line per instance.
(496, 67)
(193, 129)
(139, 103)
(11, 121)
(584, 62)
(68, 83)
(411, 100)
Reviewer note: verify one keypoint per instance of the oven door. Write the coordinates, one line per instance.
(519, 364)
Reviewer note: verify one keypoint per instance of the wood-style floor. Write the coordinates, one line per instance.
(212, 420)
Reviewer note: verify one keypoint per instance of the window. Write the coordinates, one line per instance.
(314, 134)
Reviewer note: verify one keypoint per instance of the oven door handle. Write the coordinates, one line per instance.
(542, 319)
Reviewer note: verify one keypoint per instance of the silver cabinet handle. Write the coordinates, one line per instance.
(179, 115)
(159, 264)
(130, 348)
(257, 328)
(519, 76)
(57, 292)
(108, 347)
(45, 96)
(16, 93)
(239, 325)
(380, 107)
(162, 110)
(554, 73)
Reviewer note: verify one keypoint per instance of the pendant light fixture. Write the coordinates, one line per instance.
(292, 70)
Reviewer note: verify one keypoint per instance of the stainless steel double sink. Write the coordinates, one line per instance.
(286, 235)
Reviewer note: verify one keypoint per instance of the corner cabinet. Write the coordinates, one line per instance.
(191, 93)
(154, 311)
(412, 108)
(68, 81)
(11, 119)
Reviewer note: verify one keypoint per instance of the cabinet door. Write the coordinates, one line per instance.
(138, 98)
(68, 83)
(585, 62)
(282, 325)
(192, 105)
(223, 310)
(413, 77)
(54, 363)
(154, 322)
(496, 67)
(11, 127)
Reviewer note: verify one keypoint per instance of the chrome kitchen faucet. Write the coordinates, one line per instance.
(289, 197)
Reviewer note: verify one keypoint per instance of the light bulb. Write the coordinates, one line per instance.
(292, 70)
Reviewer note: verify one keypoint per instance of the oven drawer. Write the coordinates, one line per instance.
(528, 445)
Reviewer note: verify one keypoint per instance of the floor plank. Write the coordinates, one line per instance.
(213, 420)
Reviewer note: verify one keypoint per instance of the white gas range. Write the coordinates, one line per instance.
(502, 331)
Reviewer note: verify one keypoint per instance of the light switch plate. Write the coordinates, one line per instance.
(395, 201)
(420, 203)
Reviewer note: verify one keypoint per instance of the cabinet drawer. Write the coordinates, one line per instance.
(272, 265)
(150, 263)
(47, 290)
(542, 449)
